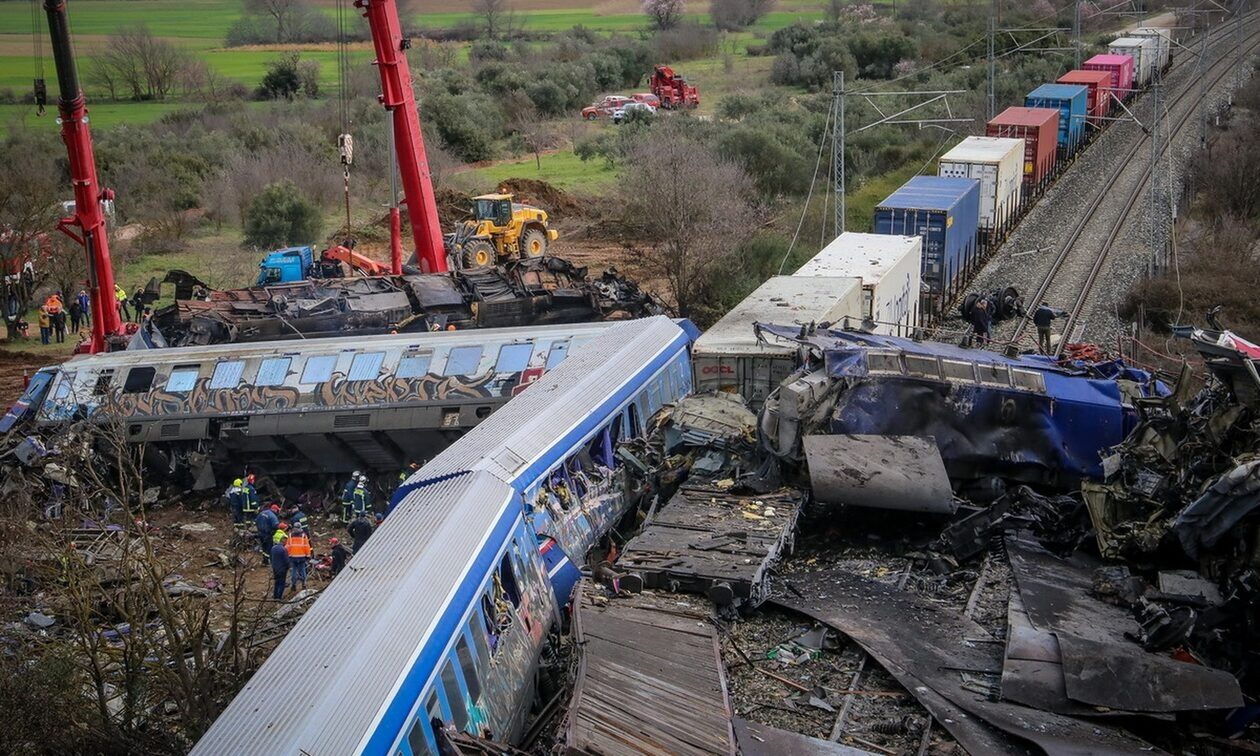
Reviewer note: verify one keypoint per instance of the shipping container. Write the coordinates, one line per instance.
(1121, 69)
(998, 164)
(730, 357)
(1070, 100)
(1097, 94)
(1163, 45)
(944, 211)
(890, 268)
(1143, 51)
(1039, 128)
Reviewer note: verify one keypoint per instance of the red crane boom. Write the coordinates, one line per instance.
(87, 225)
(399, 99)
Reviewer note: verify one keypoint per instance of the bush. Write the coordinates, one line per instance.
(774, 167)
(281, 216)
(468, 125)
(686, 41)
(486, 50)
(733, 15)
(283, 79)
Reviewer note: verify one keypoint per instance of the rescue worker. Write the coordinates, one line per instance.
(268, 522)
(76, 316)
(982, 321)
(360, 529)
(279, 569)
(251, 496)
(361, 500)
(281, 533)
(1043, 316)
(347, 495)
(85, 306)
(236, 500)
(300, 520)
(340, 554)
(45, 325)
(121, 295)
(298, 547)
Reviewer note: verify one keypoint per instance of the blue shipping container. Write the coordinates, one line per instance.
(945, 212)
(1071, 100)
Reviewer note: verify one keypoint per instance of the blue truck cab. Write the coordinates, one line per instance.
(285, 266)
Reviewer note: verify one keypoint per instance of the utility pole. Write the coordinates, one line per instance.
(992, 59)
(1154, 264)
(1076, 30)
(837, 149)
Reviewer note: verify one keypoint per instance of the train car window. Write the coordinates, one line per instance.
(924, 367)
(418, 739)
(138, 379)
(272, 371)
(463, 361)
(103, 382)
(454, 698)
(513, 358)
(959, 370)
(477, 626)
(227, 374)
(998, 374)
(366, 366)
(414, 365)
(883, 362)
(319, 368)
(434, 707)
(636, 425)
(183, 378)
(468, 666)
(559, 351)
(1029, 379)
(507, 580)
(489, 613)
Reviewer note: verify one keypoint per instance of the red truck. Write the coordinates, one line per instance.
(672, 89)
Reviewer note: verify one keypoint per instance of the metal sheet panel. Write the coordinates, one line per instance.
(879, 472)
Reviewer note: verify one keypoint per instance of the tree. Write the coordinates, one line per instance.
(665, 14)
(688, 211)
(496, 17)
(733, 15)
(281, 216)
(283, 79)
(282, 13)
(137, 62)
(29, 192)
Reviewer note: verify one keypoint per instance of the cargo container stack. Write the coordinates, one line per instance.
(889, 268)
(944, 212)
(1163, 45)
(1097, 96)
(1039, 129)
(1121, 69)
(998, 164)
(1070, 100)
(1144, 51)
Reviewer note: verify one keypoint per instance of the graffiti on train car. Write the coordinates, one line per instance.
(389, 389)
(202, 399)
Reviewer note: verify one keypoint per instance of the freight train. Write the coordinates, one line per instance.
(987, 183)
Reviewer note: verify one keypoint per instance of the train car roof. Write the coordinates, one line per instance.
(511, 441)
(328, 345)
(329, 684)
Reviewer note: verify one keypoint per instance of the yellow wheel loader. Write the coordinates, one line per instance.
(500, 230)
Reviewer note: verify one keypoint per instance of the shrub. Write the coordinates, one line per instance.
(468, 125)
(686, 41)
(281, 216)
(486, 50)
(283, 79)
(733, 15)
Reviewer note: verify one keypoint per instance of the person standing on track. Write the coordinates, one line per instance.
(1043, 316)
(982, 321)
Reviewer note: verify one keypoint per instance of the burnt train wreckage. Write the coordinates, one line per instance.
(533, 291)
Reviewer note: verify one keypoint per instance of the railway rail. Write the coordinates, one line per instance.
(1089, 218)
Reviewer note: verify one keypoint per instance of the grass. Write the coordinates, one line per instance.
(563, 169)
(197, 19)
(101, 115)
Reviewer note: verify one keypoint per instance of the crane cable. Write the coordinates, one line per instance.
(37, 40)
(345, 142)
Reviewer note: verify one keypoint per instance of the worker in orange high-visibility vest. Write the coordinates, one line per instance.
(299, 548)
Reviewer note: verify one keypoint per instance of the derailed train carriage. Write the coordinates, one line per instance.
(330, 405)
(444, 615)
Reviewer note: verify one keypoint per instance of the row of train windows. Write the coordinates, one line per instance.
(490, 621)
(364, 366)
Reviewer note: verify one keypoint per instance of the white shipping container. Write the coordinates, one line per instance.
(1163, 44)
(998, 162)
(891, 271)
(1142, 50)
(728, 357)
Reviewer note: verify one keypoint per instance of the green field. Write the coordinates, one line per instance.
(196, 19)
(562, 169)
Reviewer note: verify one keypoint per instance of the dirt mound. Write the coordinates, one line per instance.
(14, 367)
(453, 206)
(557, 202)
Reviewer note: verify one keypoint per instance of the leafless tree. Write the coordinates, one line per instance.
(135, 61)
(738, 14)
(497, 17)
(665, 14)
(533, 129)
(29, 194)
(687, 212)
(283, 12)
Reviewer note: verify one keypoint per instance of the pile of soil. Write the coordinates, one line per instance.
(557, 202)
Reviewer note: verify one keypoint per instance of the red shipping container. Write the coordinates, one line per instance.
(1039, 128)
(1121, 69)
(1098, 100)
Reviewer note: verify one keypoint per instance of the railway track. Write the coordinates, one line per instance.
(1096, 219)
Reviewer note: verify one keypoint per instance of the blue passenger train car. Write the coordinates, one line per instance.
(945, 212)
(442, 618)
(1072, 101)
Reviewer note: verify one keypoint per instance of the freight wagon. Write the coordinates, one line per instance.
(1070, 100)
(1039, 130)
(1097, 95)
(890, 269)
(1163, 45)
(1121, 69)
(944, 211)
(1144, 51)
(998, 164)
(731, 356)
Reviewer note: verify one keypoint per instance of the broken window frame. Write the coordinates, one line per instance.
(477, 628)
(139, 373)
(453, 692)
(468, 665)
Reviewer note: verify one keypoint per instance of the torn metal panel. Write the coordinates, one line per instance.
(1100, 667)
(756, 739)
(1211, 517)
(880, 472)
(925, 647)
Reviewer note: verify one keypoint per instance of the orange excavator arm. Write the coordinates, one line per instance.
(356, 261)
